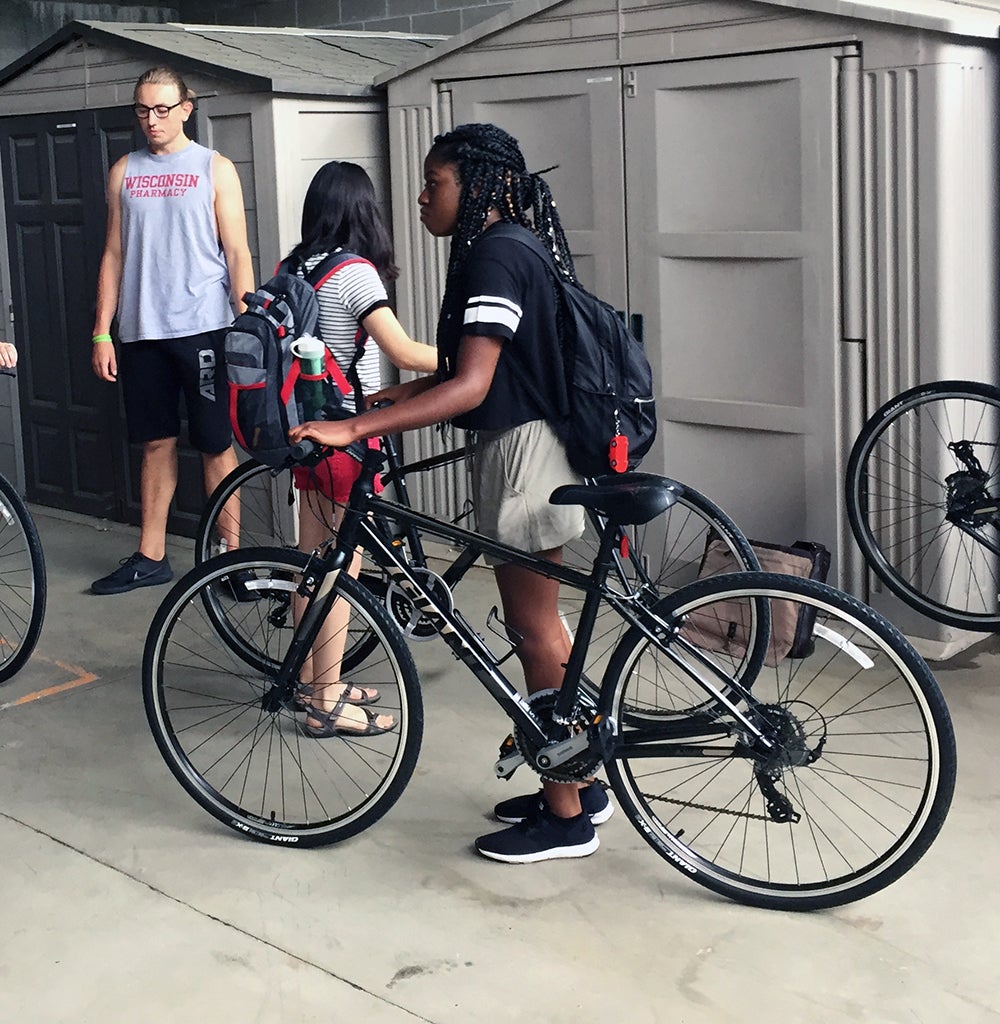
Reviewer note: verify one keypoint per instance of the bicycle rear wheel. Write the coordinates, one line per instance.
(263, 513)
(251, 765)
(923, 500)
(22, 582)
(662, 556)
(862, 768)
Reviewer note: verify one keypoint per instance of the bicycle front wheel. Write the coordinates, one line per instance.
(923, 500)
(246, 758)
(858, 772)
(22, 582)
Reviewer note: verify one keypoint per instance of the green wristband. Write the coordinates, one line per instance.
(98, 338)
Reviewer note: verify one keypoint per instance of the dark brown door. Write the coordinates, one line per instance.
(55, 170)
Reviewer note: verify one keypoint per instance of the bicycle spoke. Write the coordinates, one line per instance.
(852, 783)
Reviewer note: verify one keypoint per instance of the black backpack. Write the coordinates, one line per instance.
(611, 420)
(262, 371)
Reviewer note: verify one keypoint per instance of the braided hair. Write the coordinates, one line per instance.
(492, 174)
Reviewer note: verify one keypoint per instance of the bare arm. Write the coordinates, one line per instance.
(232, 224)
(403, 352)
(477, 361)
(109, 277)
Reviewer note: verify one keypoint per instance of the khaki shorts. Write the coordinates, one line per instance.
(513, 473)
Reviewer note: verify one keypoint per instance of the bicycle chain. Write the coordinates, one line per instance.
(706, 807)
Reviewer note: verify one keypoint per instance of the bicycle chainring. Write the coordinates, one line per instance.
(579, 767)
(414, 624)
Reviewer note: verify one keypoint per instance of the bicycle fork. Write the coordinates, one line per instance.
(319, 598)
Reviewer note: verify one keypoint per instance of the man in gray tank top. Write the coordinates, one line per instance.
(176, 265)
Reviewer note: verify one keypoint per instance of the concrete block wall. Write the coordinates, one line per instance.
(26, 23)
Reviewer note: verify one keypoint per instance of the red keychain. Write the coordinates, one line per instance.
(618, 453)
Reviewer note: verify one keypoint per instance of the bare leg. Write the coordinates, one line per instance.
(157, 485)
(215, 468)
(323, 666)
(531, 608)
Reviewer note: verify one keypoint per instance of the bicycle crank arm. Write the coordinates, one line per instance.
(599, 739)
(506, 766)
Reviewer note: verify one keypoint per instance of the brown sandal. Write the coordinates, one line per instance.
(329, 719)
(369, 695)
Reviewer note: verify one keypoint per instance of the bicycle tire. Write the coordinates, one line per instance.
(865, 753)
(262, 523)
(665, 555)
(252, 768)
(903, 501)
(23, 583)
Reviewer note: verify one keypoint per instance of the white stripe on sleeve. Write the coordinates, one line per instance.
(493, 309)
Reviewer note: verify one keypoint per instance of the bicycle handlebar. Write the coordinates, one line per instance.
(309, 451)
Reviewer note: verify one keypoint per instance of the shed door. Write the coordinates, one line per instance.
(731, 209)
(572, 119)
(76, 455)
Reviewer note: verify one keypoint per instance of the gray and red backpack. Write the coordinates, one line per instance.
(263, 404)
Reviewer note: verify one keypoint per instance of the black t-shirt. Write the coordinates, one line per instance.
(507, 293)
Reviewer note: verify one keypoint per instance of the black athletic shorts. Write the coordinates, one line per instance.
(154, 374)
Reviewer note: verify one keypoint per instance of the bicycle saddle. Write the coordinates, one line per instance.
(627, 498)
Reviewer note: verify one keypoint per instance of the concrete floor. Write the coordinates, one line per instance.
(124, 901)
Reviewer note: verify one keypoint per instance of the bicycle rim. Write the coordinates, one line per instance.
(662, 556)
(858, 781)
(263, 514)
(923, 521)
(252, 767)
(232, 609)
(22, 582)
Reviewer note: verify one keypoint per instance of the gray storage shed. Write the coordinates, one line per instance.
(797, 196)
(278, 102)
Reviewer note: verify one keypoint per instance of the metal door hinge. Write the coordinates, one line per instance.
(630, 84)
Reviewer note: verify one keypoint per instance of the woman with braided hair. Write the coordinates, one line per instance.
(500, 375)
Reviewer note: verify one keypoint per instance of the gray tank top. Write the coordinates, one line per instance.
(175, 281)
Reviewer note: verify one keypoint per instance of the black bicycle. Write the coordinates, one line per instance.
(660, 556)
(782, 783)
(22, 582)
(923, 499)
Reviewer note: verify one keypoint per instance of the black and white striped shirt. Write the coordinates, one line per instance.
(346, 297)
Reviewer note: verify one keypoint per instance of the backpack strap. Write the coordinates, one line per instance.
(350, 381)
(521, 234)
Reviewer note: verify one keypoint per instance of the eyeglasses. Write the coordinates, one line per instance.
(161, 109)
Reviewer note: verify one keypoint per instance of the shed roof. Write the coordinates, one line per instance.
(979, 19)
(316, 62)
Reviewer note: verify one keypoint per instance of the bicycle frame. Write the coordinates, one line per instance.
(362, 527)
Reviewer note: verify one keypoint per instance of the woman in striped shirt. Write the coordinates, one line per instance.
(340, 212)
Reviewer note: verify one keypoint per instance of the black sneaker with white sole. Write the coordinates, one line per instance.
(593, 799)
(135, 571)
(541, 836)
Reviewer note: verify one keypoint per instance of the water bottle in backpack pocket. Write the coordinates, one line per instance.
(268, 391)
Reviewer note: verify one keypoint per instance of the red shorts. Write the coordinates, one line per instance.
(334, 476)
